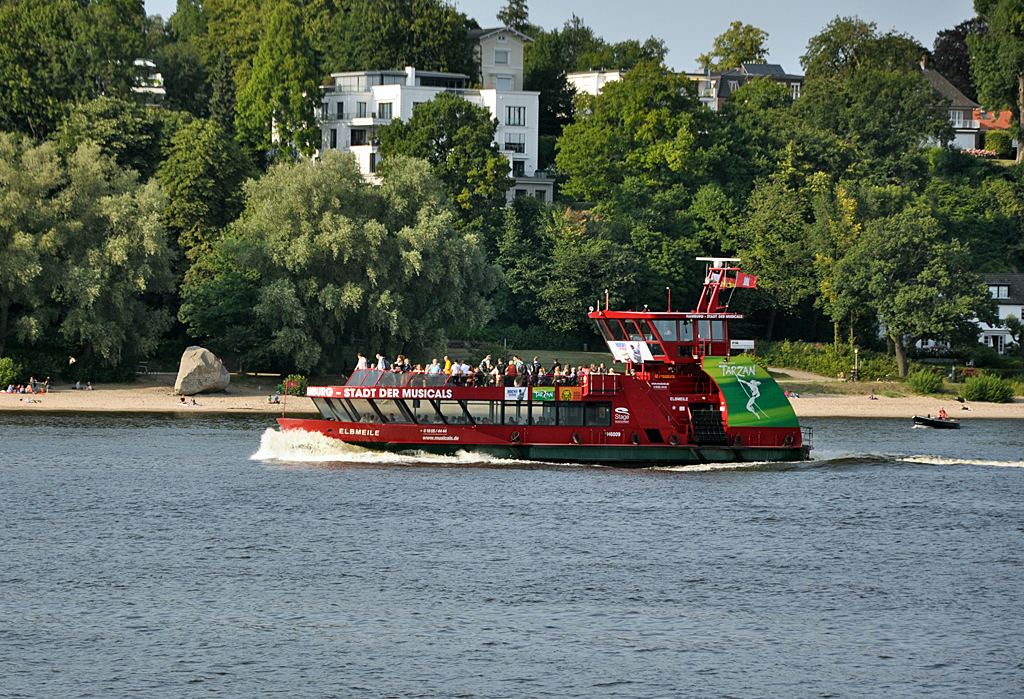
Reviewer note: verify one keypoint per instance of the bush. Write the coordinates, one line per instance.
(998, 141)
(824, 359)
(987, 388)
(1017, 387)
(925, 382)
(10, 372)
(300, 388)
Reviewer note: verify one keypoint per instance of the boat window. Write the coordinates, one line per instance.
(544, 413)
(685, 331)
(392, 378)
(363, 410)
(603, 329)
(599, 414)
(646, 330)
(516, 412)
(325, 410)
(634, 332)
(337, 407)
(717, 330)
(667, 329)
(484, 412)
(570, 413)
(357, 377)
(617, 330)
(704, 329)
(369, 378)
(392, 411)
(656, 349)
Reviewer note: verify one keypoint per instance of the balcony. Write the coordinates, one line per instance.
(515, 147)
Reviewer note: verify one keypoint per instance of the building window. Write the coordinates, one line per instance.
(373, 162)
(360, 110)
(540, 194)
(734, 85)
(515, 116)
(515, 142)
(334, 138)
(795, 89)
(1001, 291)
(341, 110)
(521, 193)
(519, 168)
(358, 137)
(415, 104)
(384, 111)
(503, 84)
(501, 57)
(957, 117)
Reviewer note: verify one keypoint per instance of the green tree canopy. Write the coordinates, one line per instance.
(276, 107)
(914, 276)
(123, 129)
(86, 245)
(848, 44)
(953, 57)
(515, 15)
(202, 176)
(644, 126)
(54, 53)
(741, 43)
(998, 61)
(329, 258)
(457, 139)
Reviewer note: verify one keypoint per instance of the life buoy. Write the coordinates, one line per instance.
(788, 441)
(674, 440)
(635, 438)
(737, 441)
(576, 438)
(515, 438)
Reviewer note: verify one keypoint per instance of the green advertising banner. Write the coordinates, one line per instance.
(752, 397)
(544, 393)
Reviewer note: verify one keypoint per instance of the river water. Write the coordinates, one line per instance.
(190, 555)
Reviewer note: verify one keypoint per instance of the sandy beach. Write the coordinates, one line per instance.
(154, 393)
(818, 398)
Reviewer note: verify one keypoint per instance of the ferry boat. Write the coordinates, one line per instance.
(690, 395)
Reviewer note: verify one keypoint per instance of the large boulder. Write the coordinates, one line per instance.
(200, 372)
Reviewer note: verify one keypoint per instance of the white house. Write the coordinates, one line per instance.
(1008, 291)
(149, 83)
(591, 81)
(356, 104)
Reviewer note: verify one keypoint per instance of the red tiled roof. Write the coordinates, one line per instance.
(993, 120)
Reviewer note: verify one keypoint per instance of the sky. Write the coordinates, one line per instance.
(689, 27)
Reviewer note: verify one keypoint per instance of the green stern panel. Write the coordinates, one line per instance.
(752, 397)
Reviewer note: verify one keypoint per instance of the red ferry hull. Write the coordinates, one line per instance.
(599, 446)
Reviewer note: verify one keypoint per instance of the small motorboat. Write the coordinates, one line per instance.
(937, 423)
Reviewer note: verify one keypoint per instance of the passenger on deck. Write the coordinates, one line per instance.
(434, 368)
(447, 365)
(485, 365)
(511, 372)
(495, 376)
(360, 362)
(602, 369)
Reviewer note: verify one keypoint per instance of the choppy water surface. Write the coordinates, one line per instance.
(211, 556)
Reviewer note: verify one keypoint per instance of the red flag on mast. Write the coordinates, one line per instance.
(747, 281)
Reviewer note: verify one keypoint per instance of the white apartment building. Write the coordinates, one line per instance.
(591, 81)
(356, 104)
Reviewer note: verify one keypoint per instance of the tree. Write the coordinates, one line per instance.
(545, 73)
(953, 58)
(124, 130)
(392, 34)
(276, 107)
(28, 173)
(185, 78)
(222, 97)
(741, 43)
(81, 246)
(914, 276)
(998, 61)
(773, 245)
(457, 139)
(515, 15)
(328, 258)
(202, 176)
(848, 44)
(54, 53)
(644, 126)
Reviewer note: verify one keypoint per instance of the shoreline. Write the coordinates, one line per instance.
(154, 394)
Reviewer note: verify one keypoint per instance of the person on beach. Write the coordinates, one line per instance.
(182, 401)
(88, 385)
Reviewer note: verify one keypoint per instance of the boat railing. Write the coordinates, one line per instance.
(601, 384)
(807, 437)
